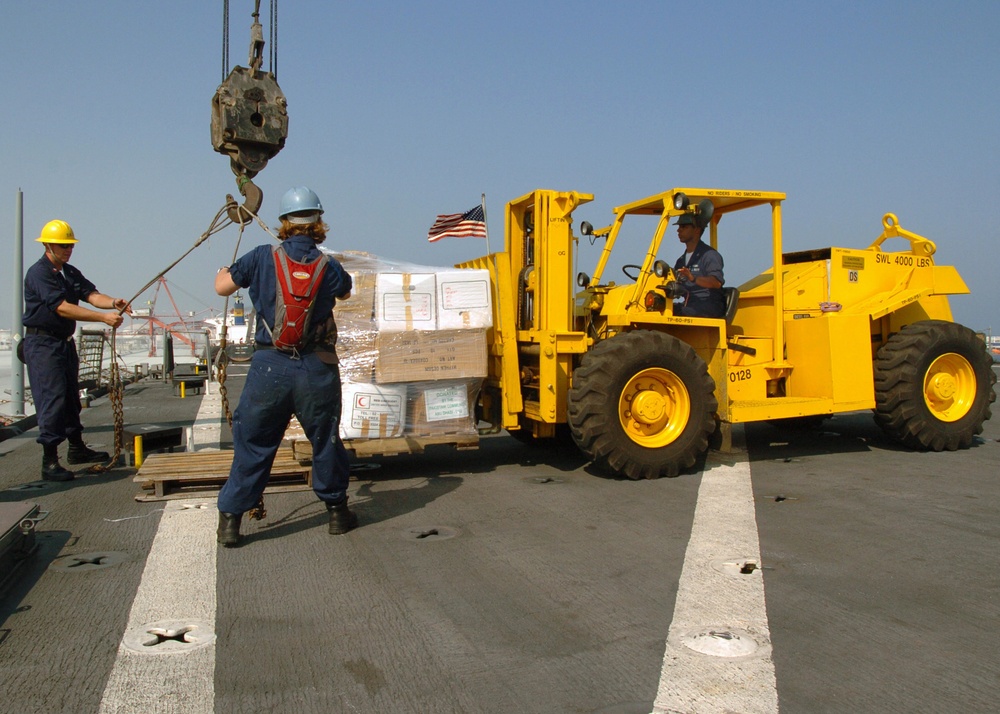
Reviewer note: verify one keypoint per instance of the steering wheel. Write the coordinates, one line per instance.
(626, 268)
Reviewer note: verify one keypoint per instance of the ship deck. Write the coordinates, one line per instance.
(811, 571)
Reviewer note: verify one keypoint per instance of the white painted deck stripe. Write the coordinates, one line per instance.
(207, 428)
(178, 584)
(724, 530)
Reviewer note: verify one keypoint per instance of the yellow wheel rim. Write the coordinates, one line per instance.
(654, 407)
(949, 387)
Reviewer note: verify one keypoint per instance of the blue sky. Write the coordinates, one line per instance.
(398, 112)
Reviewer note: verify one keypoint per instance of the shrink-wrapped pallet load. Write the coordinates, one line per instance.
(412, 348)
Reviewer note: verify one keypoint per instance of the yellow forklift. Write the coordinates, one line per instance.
(641, 391)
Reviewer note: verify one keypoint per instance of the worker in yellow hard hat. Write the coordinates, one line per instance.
(53, 290)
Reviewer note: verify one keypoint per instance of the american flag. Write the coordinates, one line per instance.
(471, 224)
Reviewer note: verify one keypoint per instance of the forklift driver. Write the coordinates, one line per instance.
(699, 272)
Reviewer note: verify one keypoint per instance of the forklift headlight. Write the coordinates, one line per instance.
(586, 228)
(582, 279)
(660, 269)
(681, 201)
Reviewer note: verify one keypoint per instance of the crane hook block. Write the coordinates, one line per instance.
(249, 120)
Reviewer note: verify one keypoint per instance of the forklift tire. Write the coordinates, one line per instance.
(933, 386)
(642, 405)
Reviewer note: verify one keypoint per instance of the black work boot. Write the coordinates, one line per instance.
(52, 470)
(80, 453)
(342, 519)
(228, 533)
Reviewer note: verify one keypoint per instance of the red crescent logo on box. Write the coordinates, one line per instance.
(362, 401)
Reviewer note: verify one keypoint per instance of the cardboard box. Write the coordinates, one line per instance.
(359, 309)
(464, 299)
(405, 301)
(355, 319)
(440, 408)
(372, 411)
(420, 355)
(357, 354)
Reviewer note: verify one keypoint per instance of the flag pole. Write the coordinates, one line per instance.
(486, 225)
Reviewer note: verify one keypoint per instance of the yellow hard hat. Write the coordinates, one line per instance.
(57, 232)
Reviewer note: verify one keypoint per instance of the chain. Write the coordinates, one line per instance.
(221, 368)
(258, 512)
(222, 360)
(116, 390)
(116, 393)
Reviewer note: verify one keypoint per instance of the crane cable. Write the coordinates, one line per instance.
(272, 36)
(225, 39)
(273, 57)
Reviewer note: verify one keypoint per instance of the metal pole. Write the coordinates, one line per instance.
(16, 368)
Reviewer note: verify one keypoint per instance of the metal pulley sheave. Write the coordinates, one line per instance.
(249, 123)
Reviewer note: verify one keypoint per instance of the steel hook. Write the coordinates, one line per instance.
(254, 200)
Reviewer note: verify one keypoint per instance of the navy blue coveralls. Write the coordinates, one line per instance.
(699, 301)
(280, 384)
(49, 350)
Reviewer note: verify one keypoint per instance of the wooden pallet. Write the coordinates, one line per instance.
(367, 448)
(199, 473)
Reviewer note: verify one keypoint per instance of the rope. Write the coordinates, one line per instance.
(213, 228)
(116, 389)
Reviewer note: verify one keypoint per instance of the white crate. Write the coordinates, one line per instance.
(372, 411)
(405, 301)
(464, 299)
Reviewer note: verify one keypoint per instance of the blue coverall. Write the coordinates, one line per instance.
(280, 384)
(699, 301)
(49, 350)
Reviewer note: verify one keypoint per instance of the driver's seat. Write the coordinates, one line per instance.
(732, 296)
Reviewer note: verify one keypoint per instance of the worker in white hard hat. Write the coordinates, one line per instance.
(53, 290)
